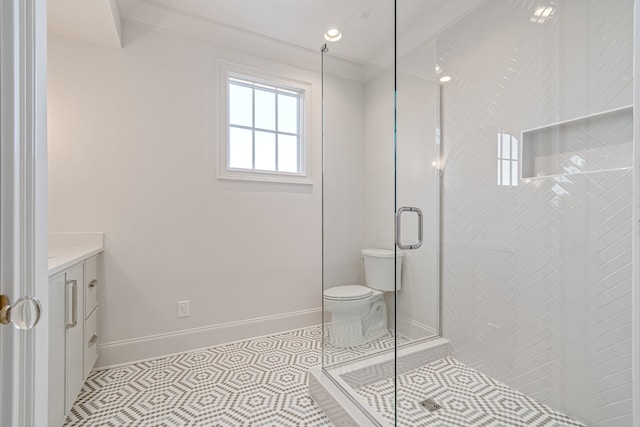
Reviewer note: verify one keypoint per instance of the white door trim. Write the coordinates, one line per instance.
(23, 128)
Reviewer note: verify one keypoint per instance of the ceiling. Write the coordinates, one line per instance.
(367, 25)
(95, 21)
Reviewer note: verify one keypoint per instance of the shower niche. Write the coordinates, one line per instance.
(594, 143)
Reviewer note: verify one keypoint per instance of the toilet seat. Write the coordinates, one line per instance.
(348, 293)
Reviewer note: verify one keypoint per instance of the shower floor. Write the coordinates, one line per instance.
(466, 396)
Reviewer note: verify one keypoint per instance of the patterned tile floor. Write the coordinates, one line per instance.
(334, 355)
(263, 382)
(260, 382)
(467, 397)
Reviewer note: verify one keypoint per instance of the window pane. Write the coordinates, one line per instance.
(266, 151)
(288, 153)
(506, 146)
(514, 148)
(287, 113)
(499, 170)
(240, 105)
(514, 172)
(240, 148)
(265, 110)
(506, 173)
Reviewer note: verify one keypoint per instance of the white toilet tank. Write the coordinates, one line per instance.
(379, 269)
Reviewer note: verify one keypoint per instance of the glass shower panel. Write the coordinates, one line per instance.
(358, 200)
(508, 125)
(537, 240)
(358, 204)
(365, 181)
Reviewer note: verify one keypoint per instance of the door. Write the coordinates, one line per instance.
(23, 213)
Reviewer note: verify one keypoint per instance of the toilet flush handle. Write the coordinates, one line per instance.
(401, 245)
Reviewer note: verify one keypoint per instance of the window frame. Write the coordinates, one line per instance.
(233, 71)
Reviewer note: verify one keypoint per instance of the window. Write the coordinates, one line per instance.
(507, 159)
(264, 129)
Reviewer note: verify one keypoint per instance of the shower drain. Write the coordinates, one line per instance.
(430, 405)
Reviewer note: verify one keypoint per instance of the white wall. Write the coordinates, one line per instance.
(343, 208)
(379, 197)
(379, 162)
(537, 278)
(132, 146)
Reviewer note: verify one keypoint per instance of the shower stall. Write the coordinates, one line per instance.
(484, 150)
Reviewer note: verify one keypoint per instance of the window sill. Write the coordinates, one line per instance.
(264, 177)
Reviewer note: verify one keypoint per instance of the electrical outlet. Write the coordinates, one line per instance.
(183, 308)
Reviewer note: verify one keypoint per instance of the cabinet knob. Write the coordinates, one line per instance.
(93, 341)
(93, 283)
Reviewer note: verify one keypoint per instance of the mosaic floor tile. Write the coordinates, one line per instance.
(334, 355)
(467, 398)
(260, 382)
(263, 382)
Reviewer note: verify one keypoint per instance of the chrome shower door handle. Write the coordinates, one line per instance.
(410, 246)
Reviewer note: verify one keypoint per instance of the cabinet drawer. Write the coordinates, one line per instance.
(90, 342)
(91, 284)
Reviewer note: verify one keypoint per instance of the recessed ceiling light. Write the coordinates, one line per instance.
(445, 79)
(333, 35)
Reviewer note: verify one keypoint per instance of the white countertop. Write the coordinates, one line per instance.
(68, 249)
(63, 257)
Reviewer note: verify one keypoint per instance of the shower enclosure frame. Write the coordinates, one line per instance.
(428, 342)
(636, 229)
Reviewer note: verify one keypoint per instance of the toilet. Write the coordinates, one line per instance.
(359, 313)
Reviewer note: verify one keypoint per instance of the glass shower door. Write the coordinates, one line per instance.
(418, 184)
(417, 200)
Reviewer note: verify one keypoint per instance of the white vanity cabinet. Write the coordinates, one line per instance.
(73, 334)
(90, 314)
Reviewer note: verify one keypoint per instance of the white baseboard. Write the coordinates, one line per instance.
(125, 352)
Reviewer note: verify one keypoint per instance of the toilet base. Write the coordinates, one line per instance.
(349, 329)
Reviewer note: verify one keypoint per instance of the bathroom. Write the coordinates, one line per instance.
(134, 153)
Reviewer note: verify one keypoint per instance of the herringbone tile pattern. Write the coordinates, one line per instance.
(537, 277)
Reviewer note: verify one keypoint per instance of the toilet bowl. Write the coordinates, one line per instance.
(359, 313)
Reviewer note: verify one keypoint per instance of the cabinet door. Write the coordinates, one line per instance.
(91, 285)
(90, 342)
(75, 333)
(57, 332)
